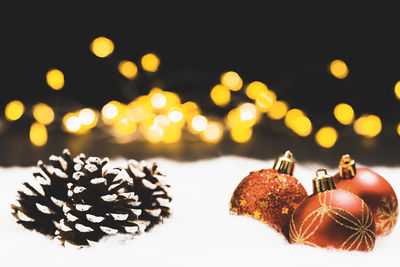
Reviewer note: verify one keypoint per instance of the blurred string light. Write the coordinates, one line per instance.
(338, 68)
(255, 88)
(398, 129)
(72, 123)
(213, 132)
(368, 125)
(199, 123)
(220, 95)
(231, 80)
(160, 116)
(102, 47)
(296, 120)
(43, 113)
(241, 134)
(128, 69)
(150, 62)
(14, 110)
(397, 90)
(344, 113)
(55, 79)
(88, 117)
(326, 137)
(278, 110)
(38, 134)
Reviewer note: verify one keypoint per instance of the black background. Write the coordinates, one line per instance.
(289, 48)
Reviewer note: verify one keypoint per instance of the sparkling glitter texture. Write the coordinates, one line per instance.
(268, 196)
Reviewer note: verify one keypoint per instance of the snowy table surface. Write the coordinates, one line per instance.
(200, 232)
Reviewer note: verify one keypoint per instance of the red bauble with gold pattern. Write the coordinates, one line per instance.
(270, 195)
(373, 189)
(332, 218)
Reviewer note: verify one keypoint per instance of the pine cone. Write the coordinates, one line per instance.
(100, 203)
(152, 192)
(40, 205)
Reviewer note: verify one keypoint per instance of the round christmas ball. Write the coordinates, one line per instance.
(332, 218)
(373, 189)
(270, 195)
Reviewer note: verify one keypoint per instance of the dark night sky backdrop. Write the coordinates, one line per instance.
(288, 49)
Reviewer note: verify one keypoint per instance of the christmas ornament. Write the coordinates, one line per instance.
(81, 200)
(40, 204)
(332, 218)
(373, 189)
(270, 195)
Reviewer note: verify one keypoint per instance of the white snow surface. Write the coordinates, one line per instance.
(200, 232)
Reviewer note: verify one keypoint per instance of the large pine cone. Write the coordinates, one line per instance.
(152, 192)
(81, 200)
(100, 204)
(40, 204)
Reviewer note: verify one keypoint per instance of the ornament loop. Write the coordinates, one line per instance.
(347, 167)
(285, 164)
(323, 182)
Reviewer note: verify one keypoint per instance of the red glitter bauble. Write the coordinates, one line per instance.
(268, 196)
(333, 219)
(376, 192)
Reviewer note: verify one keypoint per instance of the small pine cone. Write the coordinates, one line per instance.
(100, 204)
(40, 205)
(153, 195)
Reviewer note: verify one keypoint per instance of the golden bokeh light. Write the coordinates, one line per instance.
(234, 118)
(175, 115)
(139, 109)
(125, 126)
(171, 99)
(154, 133)
(161, 120)
(43, 113)
(368, 125)
(278, 110)
(338, 68)
(88, 117)
(190, 109)
(265, 100)
(110, 110)
(150, 62)
(326, 136)
(231, 80)
(344, 113)
(158, 100)
(55, 79)
(302, 126)
(171, 135)
(220, 95)
(397, 90)
(102, 47)
(241, 134)
(398, 129)
(255, 88)
(128, 69)
(199, 123)
(14, 110)
(291, 116)
(247, 111)
(213, 132)
(38, 134)
(72, 123)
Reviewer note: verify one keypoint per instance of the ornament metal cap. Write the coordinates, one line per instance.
(323, 182)
(347, 167)
(285, 163)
